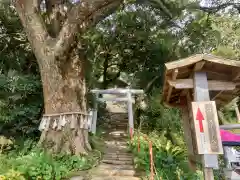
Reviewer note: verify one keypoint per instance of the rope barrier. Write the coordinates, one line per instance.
(151, 160)
(151, 157)
(150, 153)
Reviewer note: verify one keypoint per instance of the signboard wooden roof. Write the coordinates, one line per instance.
(223, 78)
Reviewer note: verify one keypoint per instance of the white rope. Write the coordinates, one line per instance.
(59, 121)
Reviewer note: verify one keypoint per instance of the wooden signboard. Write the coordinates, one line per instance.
(206, 125)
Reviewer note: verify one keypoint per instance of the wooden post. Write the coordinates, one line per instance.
(95, 109)
(201, 93)
(237, 112)
(187, 132)
(130, 112)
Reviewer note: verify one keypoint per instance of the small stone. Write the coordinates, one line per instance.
(77, 178)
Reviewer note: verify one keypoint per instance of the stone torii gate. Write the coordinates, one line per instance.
(128, 93)
(197, 85)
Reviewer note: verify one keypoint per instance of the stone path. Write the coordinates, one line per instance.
(117, 163)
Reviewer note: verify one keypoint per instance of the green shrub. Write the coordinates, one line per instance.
(169, 160)
(12, 175)
(21, 104)
(34, 163)
(160, 118)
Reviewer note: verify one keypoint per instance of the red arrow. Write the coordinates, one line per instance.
(200, 118)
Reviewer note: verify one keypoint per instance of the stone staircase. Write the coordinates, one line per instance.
(117, 162)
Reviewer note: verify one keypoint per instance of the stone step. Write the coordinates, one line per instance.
(112, 166)
(119, 115)
(116, 146)
(116, 142)
(116, 118)
(115, 136)
(117, 128)
(117, 125)
(120, 126)
(118, 133)
(119, 158)
(114, 178)
(114, 154)
(115, 172)
(117, 150)
(117, 162)
(120, 121)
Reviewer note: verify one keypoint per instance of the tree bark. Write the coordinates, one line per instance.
(64, 90)
(64, 126)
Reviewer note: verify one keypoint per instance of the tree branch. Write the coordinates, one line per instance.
(83, 15)
(150, 84)
(105, 67)
(32, 21)
(160, 4)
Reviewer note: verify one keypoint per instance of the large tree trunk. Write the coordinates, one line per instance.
(64, 126)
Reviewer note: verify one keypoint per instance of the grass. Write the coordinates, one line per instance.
(24, 160)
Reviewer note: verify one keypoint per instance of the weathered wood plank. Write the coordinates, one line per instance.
(199, 65)
(174, 76)
(230, 126)
(234, 79)
(199, 57)
(220, 60)
(184, 62)
(213, 85)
